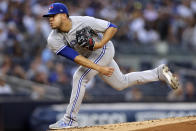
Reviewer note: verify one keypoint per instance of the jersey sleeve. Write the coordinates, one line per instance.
(55, 44)
(97, 25)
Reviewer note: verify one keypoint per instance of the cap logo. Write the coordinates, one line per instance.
(61, 10)
(51, 7)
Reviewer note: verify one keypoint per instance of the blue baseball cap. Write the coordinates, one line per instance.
(56, 8)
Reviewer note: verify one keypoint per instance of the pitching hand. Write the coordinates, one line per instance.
(107, 71)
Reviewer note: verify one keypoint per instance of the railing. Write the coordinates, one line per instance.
(31, 90)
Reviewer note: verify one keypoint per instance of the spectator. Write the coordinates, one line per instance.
(6, 66)
(190, 91)
(176, 95)
(5, 88)
(3, 35)
(134, 95)
(188, 36)
(150, 14)
(184, 9)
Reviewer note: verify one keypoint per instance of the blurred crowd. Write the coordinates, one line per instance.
(23, 35)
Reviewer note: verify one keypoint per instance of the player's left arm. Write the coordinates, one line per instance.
(108, 34)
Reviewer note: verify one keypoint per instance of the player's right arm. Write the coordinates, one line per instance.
(108, 71)
(74, 56)
(58, 47)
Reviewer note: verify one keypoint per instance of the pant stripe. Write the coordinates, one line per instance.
(80, 81)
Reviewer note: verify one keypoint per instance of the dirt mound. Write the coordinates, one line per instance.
(170, 124)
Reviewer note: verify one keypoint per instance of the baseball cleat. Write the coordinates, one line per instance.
(165, 75)
(61, 124)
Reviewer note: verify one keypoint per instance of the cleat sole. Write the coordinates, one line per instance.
(171, 80)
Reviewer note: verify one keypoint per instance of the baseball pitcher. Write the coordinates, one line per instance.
(86, 41)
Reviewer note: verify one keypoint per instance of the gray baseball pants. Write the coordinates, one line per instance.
(118, 80)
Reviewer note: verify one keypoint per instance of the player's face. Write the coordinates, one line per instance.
(55, 21)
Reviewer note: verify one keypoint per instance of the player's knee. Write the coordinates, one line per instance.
(120, 87)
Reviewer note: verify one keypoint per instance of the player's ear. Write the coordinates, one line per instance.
(64, 16)
(67, 15)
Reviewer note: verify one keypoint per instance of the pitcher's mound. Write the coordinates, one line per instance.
(170, 124)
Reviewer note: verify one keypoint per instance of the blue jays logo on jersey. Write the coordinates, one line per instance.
(73, 43)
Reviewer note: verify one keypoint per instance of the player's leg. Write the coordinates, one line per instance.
(121, 81)
(80, 79)
(82, 76)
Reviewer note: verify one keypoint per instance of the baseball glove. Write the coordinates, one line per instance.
(84, 37)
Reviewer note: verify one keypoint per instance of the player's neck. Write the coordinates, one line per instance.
(66, 26)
